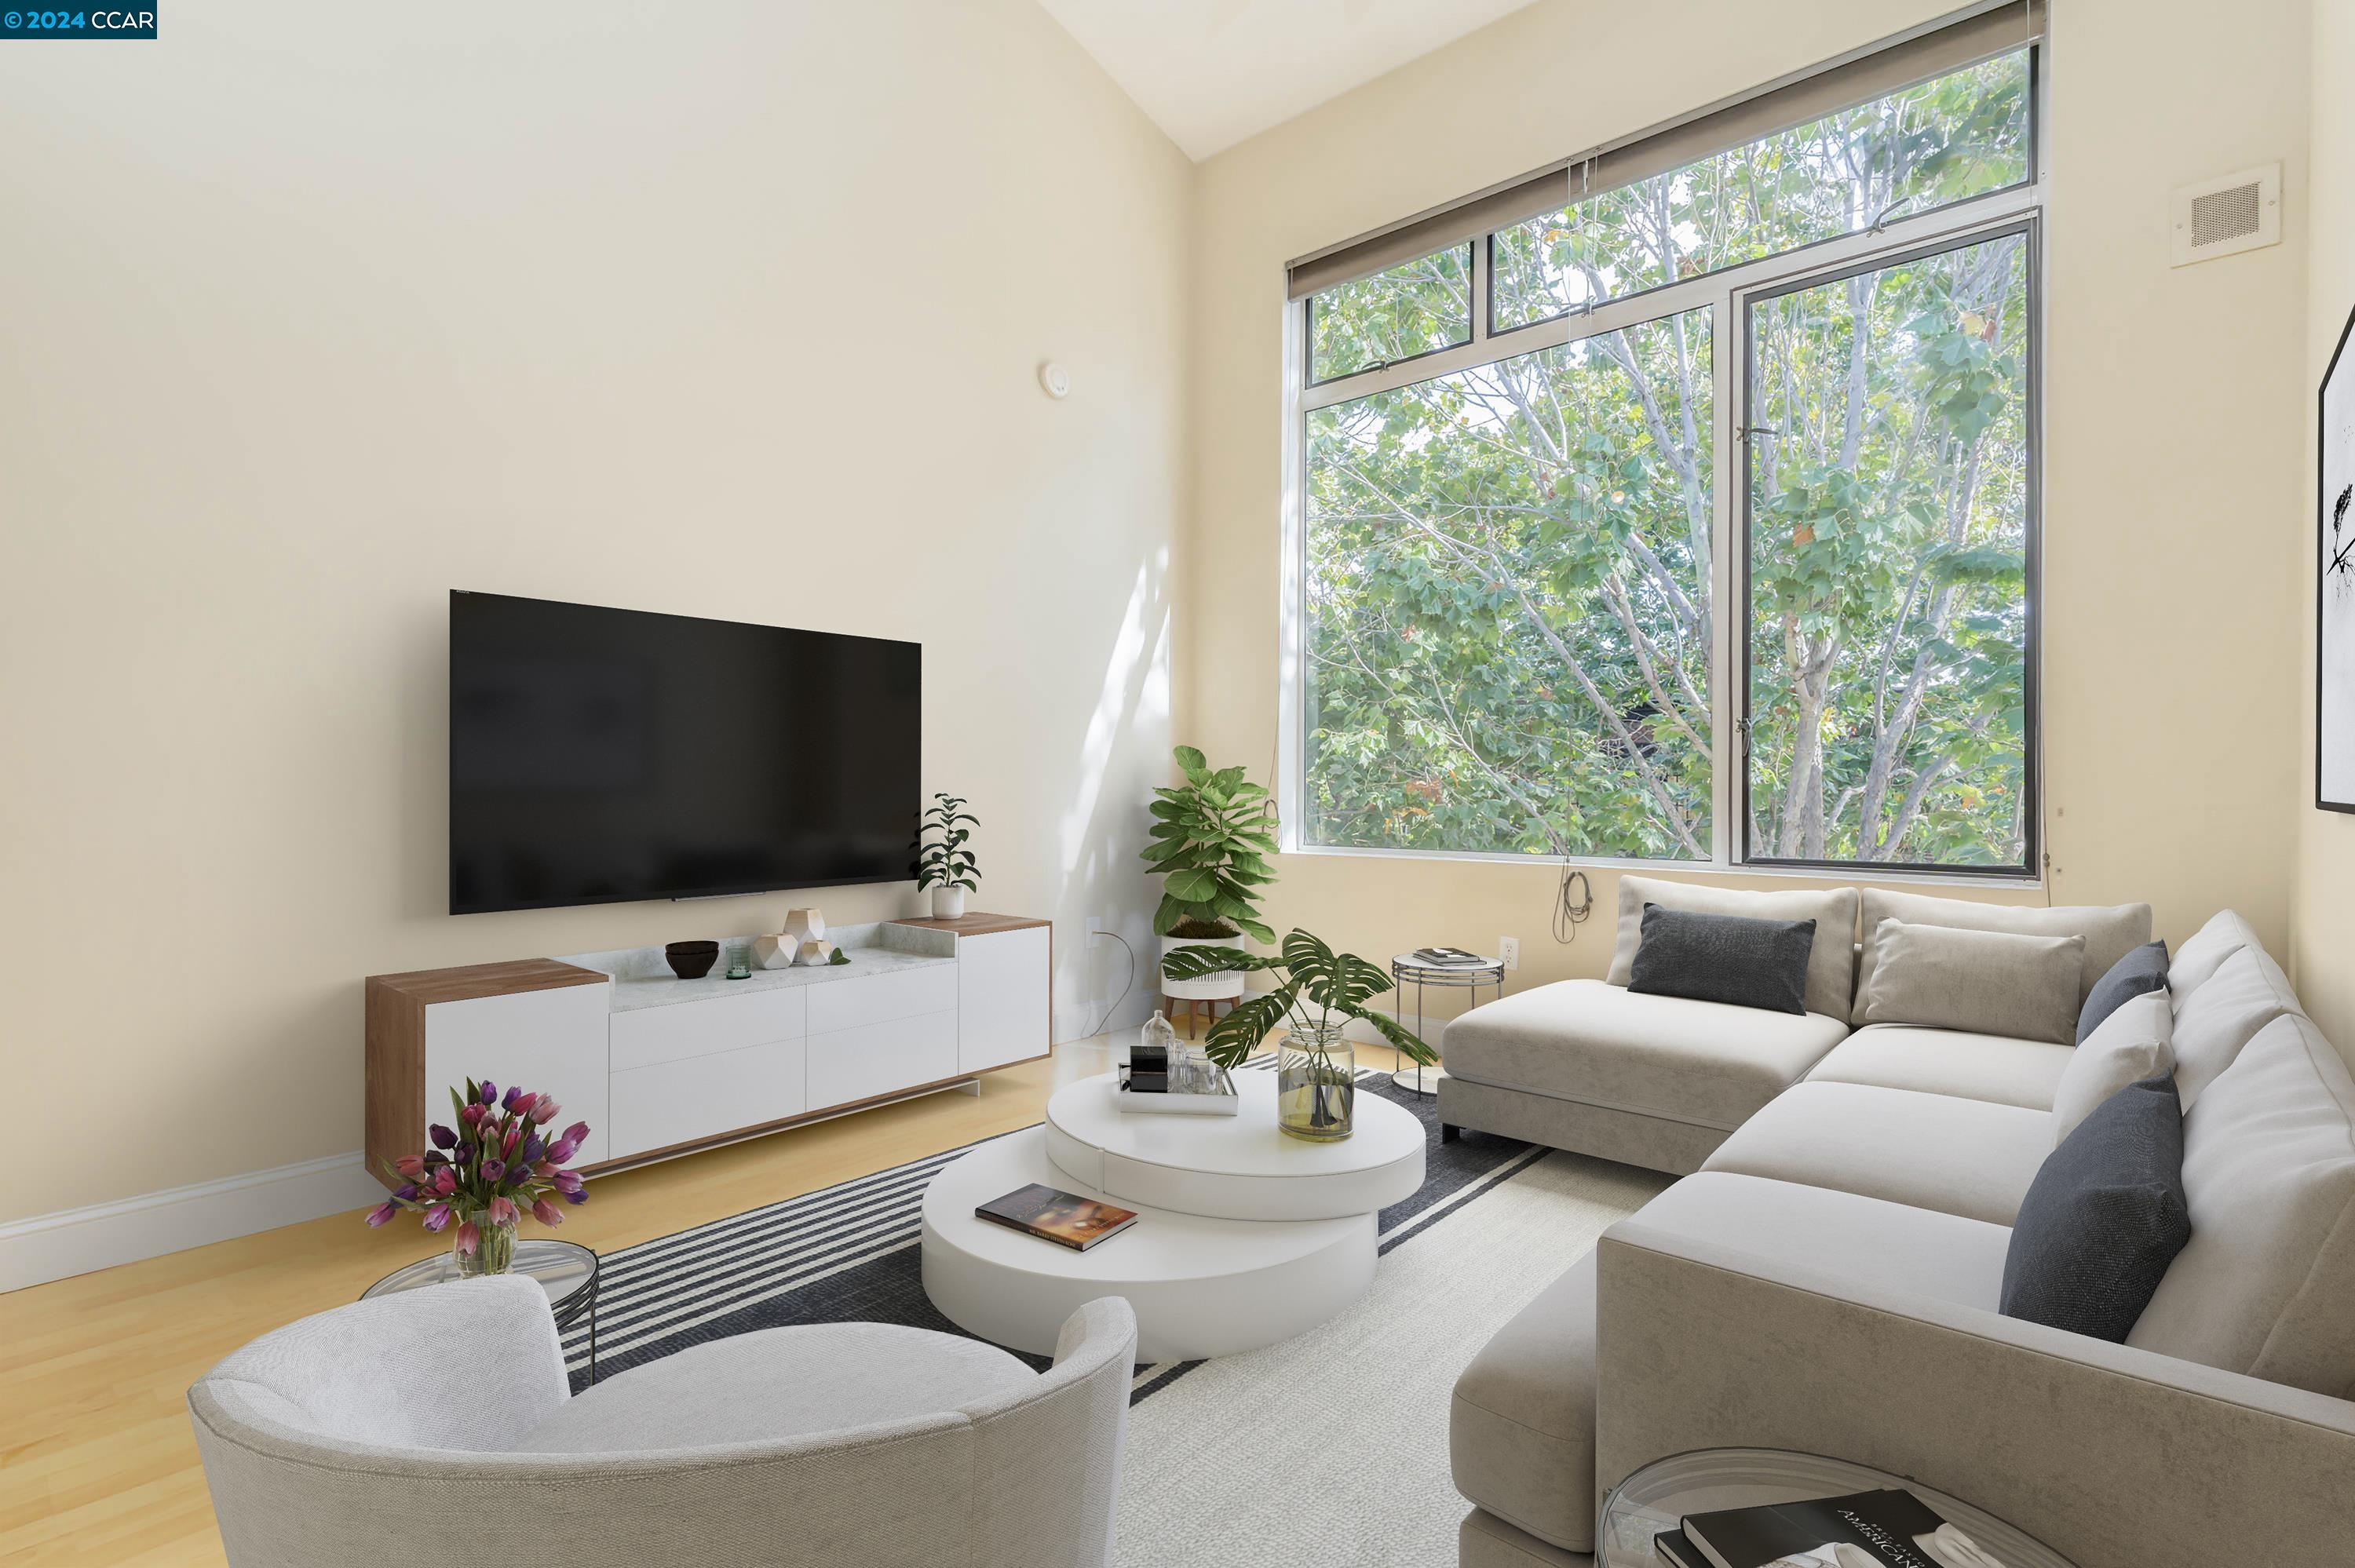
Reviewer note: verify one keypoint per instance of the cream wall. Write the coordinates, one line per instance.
(314, 313)
(2324, 913)
(2172, 413)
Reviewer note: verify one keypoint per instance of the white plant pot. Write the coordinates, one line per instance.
(948, 903)
(1224, 986)
(775, 950)
(804, 926)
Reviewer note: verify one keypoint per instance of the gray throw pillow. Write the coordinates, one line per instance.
(1990, 982)
(2103, 1219)
(1730, 959)
(2144, 970)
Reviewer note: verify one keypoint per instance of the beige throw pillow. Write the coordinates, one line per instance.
(1993, 982)
(1831, 962)
(2110, 932)
(2134, 1043)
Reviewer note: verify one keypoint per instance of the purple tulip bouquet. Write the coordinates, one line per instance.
(483, 1174)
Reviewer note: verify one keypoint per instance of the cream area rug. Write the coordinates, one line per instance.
(1330, 1450)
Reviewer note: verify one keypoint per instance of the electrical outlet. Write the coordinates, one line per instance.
(1509, 949)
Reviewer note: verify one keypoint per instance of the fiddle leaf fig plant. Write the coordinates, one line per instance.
(1210, 839)
(1319, 988)
(945, 862)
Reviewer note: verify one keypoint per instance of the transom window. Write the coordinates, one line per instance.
(1693, 520)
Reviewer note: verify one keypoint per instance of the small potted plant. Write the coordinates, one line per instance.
(1211, 838)
(484, 1175)
(1316, 1068)
(943, 863)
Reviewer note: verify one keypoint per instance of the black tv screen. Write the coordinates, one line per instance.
(603, 755)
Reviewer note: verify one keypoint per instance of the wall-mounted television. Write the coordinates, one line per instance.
(598, 756)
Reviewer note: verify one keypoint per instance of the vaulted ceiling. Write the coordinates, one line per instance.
(1213, 72)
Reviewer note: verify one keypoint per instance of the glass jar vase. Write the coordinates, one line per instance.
(1317, 1084)
(493, 1250)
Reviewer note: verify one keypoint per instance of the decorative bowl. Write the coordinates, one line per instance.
(691, 960)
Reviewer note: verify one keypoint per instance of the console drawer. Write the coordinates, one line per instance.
(647, 1036)
(874, 999)
(847, 1065)
(680, 1102)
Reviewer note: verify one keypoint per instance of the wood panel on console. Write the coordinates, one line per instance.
(394, 1115)
(978, 925)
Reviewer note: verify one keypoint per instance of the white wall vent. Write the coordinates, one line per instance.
(2218, 218)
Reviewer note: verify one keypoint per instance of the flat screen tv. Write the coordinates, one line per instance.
(598, 756)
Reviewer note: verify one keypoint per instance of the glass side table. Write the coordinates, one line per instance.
(1406, 972)
(566, 1270)
(1656, 1497)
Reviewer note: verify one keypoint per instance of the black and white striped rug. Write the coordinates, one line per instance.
(849, 1254)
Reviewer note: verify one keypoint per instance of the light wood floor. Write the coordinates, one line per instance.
(96, 1464)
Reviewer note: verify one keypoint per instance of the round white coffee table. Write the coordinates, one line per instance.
(1243, 1237)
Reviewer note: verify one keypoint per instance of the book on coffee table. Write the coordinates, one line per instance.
(1817, 1532)
(1052, 1214)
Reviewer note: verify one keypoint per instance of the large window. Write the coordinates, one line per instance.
(1693, 521)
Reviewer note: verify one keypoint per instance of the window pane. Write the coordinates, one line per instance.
(1507, 615)
(1888, 517)
(1413, 308)
(1941, 141)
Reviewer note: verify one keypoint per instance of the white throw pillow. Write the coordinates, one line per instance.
(2134, 1043)
(1991, 983)
(2247, 991)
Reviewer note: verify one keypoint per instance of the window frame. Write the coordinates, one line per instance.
(2028, 226)
(2015, 208)
(1475, 282)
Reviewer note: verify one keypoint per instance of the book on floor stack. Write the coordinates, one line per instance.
(1887, 1528)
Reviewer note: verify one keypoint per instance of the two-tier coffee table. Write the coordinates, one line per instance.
(1243, 1237)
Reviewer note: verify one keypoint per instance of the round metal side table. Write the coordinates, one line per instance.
(1406, 970)
(566, 1270)
(1660, 1494)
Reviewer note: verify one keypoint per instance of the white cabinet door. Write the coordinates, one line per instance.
(847, 1065)
(645, 1036)
(680, 1102)
(1002, 996)
(875, 998)
(550, 1042)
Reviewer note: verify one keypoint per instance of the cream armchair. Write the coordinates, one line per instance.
(437, 1426)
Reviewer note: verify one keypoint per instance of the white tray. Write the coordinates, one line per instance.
(1147, 1103)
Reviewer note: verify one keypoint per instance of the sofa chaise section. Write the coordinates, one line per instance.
(1656, 1081)
(1522, 1430)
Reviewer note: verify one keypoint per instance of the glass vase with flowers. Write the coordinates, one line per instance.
(484, 1175)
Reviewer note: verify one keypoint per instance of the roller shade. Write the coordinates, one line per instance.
(1870, 74)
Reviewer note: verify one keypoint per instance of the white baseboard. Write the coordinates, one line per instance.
(76, 1241)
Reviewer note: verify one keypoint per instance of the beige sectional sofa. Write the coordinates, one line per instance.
(1826, 1278)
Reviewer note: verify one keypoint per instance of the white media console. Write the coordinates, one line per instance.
(658, 1066)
